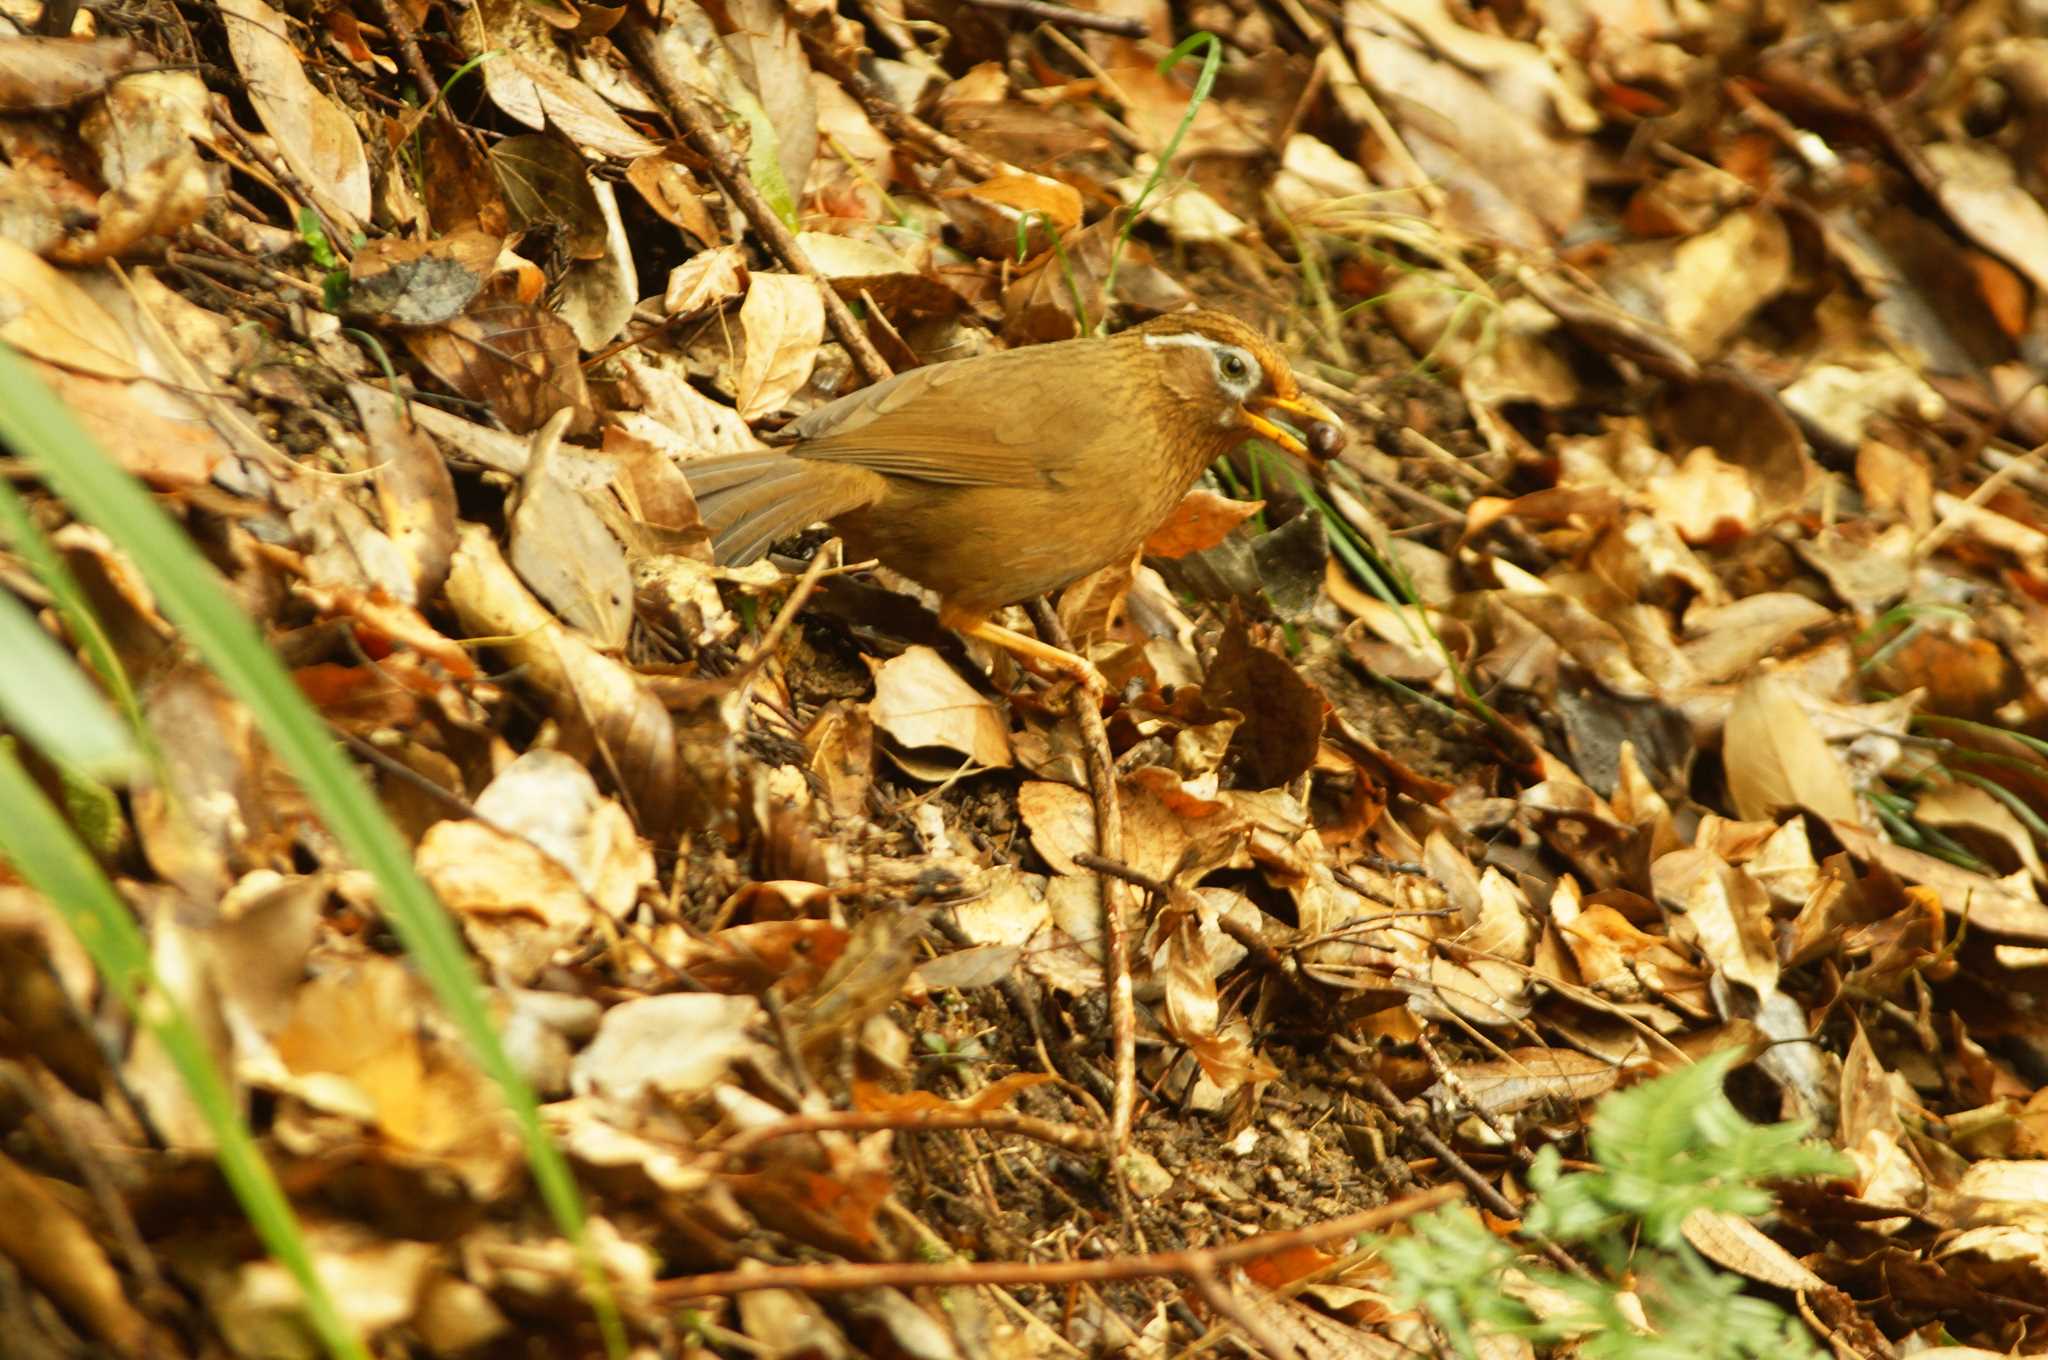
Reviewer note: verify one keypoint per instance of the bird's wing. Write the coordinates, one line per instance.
(995, 408)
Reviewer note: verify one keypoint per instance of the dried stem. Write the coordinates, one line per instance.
(399, 26)
(709, 141)
(1068, 17)
(907, 126)
(1109, 843)
(1482, 1189)
(1225, 1304)
(1067, 1136)
(844, 1275)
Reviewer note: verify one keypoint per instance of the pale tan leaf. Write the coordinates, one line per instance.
(1724, 911)
(541, 95)
(1776, 759)
(771, 60)
(45, 314)
(922, 702)
(784, 322)
(1734, 1243)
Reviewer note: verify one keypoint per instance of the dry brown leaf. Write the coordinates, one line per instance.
(1776, 759)
(58, 1253)
(415, 492)
(49, 317)
(1723, 911)
(43, 74)
(708, 279)
(770, 59)
(561, 547)
(1978, 187)
(922, 703)
(1201, 521)
(2001, 906)
(1705, 499)
(784, 323)
(520, 361)
(659, 1049)
(357, 1045)
(589, 692)
(316, 139)
(527, 76)
(518, 908)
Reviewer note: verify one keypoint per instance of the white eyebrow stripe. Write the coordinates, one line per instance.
(1189, 341)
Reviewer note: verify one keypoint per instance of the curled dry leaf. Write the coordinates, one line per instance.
(560, 546)
(359, 1044)
(1201, 521)
(49, 317)
(517, 359)
(518, 907)
(553, 801)
(527, 76)
(597, 295)
(770, 59)
(60, 1256)
(708, 279)
(921, 702)
(589, 692)
(42, 74)
(1283, 724)
(665, 1048)
(1721, 910)
(415, 492)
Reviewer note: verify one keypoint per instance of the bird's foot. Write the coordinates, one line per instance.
(1044, 657)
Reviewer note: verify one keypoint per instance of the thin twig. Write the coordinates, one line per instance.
(799, 596)
(1068, 17)
(904, 126)
(287, 184)
(1225, 1304)
(708, 141)
(1482, 1189)
(1109, 843)
(1263, 953)
(400, 27)
(839, 1276)
(1068, 1136)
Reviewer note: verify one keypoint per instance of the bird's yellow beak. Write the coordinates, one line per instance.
(1324, 432)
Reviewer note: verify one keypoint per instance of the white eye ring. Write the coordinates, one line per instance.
(1233, 365)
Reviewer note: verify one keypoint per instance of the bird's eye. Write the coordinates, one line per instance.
(1234, 367)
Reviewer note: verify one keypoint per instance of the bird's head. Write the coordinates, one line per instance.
(1232, 381)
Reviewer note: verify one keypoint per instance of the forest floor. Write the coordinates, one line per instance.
(1662, 670)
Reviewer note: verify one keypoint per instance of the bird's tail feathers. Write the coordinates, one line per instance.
(749, 501)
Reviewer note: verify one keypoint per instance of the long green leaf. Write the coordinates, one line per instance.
(41, 846)
(38, 426)
(48, 700)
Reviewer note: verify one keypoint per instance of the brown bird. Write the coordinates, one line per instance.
(994, 479)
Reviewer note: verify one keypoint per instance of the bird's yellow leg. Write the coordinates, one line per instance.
(1048, 657)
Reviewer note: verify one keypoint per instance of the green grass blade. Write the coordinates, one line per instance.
(19, 528)
(41, 847)
(50, 703)
(38, 426)
(1205, 81)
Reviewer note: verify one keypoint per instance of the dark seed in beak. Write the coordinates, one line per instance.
(1325, 440)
